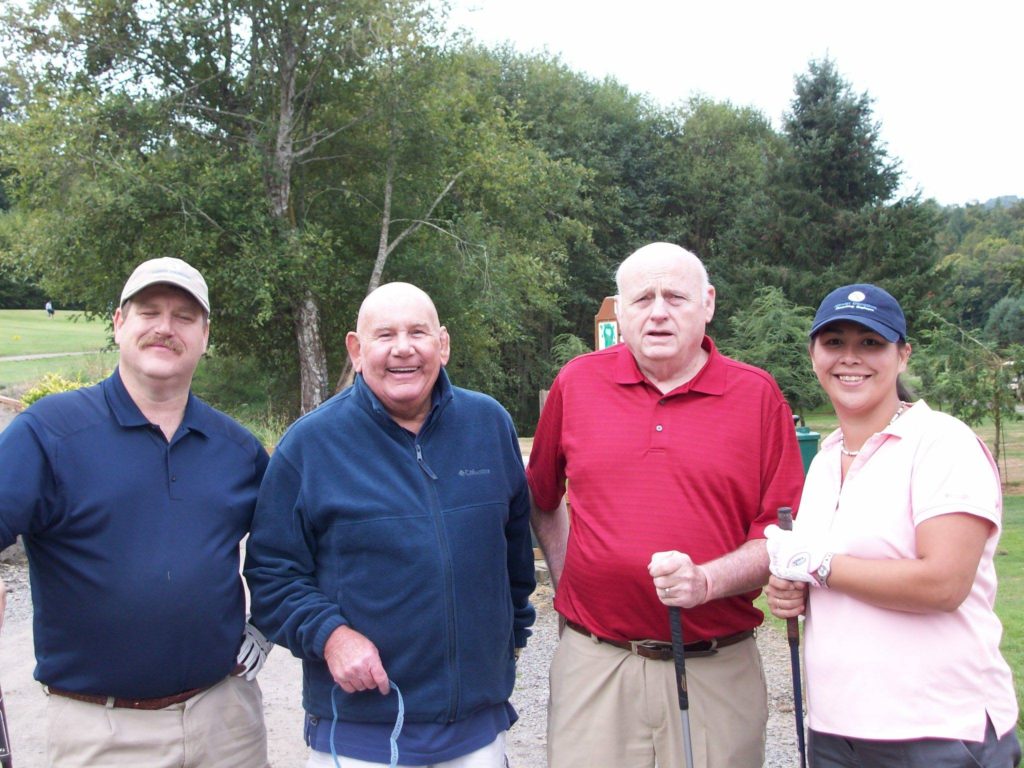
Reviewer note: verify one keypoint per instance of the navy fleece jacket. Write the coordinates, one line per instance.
(419, 542)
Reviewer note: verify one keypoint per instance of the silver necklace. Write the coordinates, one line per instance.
(842, 437)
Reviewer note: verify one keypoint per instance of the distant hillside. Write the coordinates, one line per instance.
(1001, 202)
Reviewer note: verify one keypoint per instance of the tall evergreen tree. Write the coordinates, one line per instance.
(837, 152)
(827, 217)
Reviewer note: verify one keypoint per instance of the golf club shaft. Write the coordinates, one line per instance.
(793, 637)
(675, 620)
(5, 739)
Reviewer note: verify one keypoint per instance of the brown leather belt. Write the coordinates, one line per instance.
(112, 701)
(652, 649)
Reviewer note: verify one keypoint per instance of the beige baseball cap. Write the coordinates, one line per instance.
(170, 271)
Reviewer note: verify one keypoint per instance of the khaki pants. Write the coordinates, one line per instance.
(221, 727)
(490, 756)
(610, 707)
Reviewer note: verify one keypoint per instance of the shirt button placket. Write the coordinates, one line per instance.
(658, 438)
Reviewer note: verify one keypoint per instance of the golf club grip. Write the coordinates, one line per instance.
(786, 524)
(675, 620)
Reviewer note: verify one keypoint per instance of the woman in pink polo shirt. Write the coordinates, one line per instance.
(891, 561)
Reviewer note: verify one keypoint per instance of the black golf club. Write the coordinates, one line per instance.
(793, 636)
(675, 620)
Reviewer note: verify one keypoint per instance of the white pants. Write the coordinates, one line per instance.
(490, 756)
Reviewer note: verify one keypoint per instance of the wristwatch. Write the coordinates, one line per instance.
(824, 570)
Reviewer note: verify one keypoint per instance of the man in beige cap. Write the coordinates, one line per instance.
(132, 497)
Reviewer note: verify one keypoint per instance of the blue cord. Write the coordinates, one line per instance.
(395, 732)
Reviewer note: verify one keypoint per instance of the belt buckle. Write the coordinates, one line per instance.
(647, 645)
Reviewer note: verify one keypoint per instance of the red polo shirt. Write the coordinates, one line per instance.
(700, 470)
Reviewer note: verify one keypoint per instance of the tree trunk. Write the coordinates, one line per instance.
(384, 247)
(348, 373)
(313, 383)
(312, 358)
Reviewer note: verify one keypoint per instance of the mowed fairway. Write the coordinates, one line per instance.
(31, 332)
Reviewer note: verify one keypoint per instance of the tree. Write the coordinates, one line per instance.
(251, 78)
(837, 149)
(982, 250)
(293, 164)
(1005, 325)
(618, 139)
(717, 174)
(967, 376)
(16, 294)
(825, 217)
(772, 334)
(722, 157)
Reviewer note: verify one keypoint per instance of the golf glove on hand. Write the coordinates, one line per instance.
(793, 557)
(253, 652)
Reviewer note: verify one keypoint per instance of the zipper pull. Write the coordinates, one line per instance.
(423, 464)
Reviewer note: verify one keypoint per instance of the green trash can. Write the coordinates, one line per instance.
(808, 441)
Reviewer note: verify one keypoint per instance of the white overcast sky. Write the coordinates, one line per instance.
(946, 79)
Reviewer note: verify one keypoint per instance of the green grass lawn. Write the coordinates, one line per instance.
(17, 376)
(30, 332)
(1010, 599)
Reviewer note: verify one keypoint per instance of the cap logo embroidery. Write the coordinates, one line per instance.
(857, 296)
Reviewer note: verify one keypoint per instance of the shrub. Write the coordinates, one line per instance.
(50, 384)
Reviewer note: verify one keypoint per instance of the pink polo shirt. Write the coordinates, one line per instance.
(876, 673)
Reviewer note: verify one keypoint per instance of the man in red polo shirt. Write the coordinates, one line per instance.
(676, 459)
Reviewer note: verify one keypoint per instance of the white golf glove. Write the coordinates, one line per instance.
(253, 652)
(792, 556)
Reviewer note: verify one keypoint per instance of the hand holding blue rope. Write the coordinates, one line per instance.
(395, 732)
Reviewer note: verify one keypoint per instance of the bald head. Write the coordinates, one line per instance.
(390, 296)
(660, 256)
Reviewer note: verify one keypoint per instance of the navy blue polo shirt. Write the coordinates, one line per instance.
(133, 541)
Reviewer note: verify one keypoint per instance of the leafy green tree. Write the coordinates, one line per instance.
(1005, 325)
(294, 165)
(718, 174)
(982, 251)
(965, 376)
(772, 334)
(16, 294)
(470, 186)
(619, 139)
(722, 157)
(825, 217)
(251, 79)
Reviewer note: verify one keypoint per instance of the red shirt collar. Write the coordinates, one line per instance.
(710, 379)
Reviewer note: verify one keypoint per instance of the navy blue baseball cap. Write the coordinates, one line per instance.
(867, 305)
